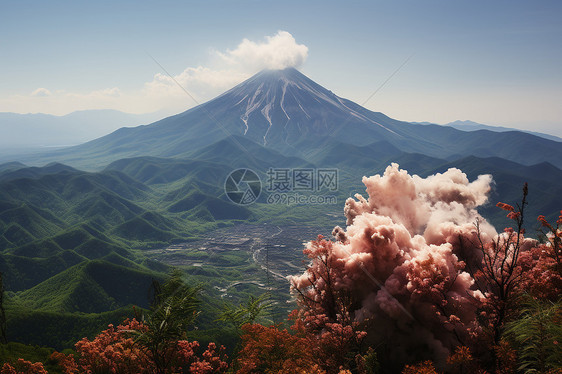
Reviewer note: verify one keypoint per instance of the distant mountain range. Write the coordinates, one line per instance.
(475, 126)
(32, 131)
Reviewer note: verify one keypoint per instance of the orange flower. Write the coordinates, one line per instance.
(505, 206)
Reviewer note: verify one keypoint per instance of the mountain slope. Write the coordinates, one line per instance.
(90, 287)
(44, 211)
(8, 166)
(473, 126)
(32, 130)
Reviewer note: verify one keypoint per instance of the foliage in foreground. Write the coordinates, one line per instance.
(116, 351)
(413, 277)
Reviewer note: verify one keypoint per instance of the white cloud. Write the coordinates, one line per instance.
(98, 94)
(41, 92)
(223, 71)
(201, 82)
(113, 92)
(279, 51)
(233, 66)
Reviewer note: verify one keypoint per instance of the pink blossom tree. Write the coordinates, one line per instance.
(398, 271)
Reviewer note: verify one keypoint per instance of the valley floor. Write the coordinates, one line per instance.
(271, 253)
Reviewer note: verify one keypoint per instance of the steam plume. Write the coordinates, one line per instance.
(400, 259)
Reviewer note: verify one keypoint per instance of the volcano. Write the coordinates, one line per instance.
(279, 108)
(286, 111)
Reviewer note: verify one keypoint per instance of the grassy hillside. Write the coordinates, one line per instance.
(91, 287)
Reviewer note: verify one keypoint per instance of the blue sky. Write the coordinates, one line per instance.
(498, 63)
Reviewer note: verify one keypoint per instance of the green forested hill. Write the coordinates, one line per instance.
(91, 287)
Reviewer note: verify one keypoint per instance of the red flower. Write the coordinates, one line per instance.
(23, 367)
(425, 367)
(505, 206)
(513, 215)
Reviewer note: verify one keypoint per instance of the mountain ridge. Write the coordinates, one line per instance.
(33, 130)
(282, 109)
(467, 125)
